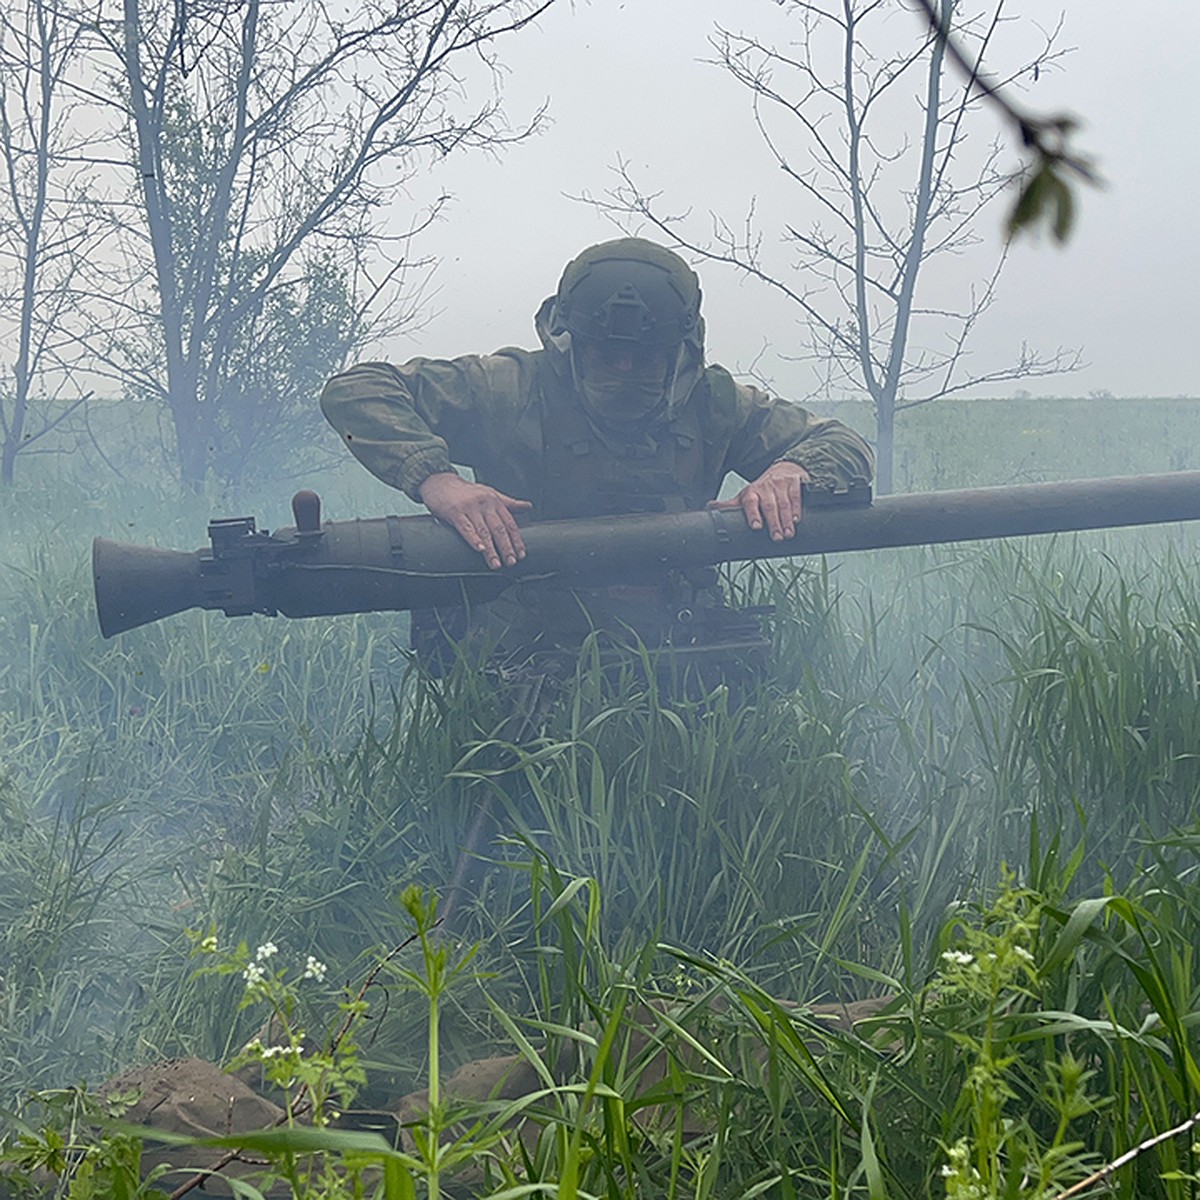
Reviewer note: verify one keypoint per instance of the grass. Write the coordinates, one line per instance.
(960, 753)
(980, 443)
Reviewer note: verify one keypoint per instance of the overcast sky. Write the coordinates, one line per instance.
(626, 79)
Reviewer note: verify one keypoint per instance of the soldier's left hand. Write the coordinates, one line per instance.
(773, 499)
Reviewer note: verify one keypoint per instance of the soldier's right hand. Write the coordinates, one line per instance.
(482, 515)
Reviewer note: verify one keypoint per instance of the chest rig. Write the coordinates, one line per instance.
(584, 472)
(587, 472)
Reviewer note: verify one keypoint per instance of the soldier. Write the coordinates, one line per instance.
(617, 413)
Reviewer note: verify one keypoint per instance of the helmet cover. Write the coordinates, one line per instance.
(632, 292)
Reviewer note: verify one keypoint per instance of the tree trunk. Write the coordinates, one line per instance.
(191, 448)
(885, 446)
(8, 461)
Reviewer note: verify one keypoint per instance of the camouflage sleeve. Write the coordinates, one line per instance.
(769, 430)
(405, 423)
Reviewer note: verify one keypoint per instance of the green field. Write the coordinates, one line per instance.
(971, 443)
(970, 790)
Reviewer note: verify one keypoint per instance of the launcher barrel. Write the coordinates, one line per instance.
(322, 568)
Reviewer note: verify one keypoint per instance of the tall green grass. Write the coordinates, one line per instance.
(655, 869)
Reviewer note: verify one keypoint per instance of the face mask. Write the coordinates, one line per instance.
(622, 395)
(621, 400)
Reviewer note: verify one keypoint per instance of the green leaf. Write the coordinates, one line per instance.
(1028, 208)
(530, 1055)
(397, 1182)
(304, 1139)
(1082, 918)
(563, 1031)
(683, 1035)
(240, 1188)
(532, 1189)
(566, 896)
(876, 1189)
(1045, 196)
(1064, 208)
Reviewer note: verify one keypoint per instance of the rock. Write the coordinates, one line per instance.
(198, 1099)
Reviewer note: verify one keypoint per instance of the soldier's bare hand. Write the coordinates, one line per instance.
(773, 500)
(482, 515)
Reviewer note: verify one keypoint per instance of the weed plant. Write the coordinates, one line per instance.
(665, 882)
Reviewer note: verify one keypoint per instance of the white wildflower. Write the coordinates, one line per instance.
(275, 1051)
(253, 975)
(265, 951)
(1023, 954)
(958, 958)
(315, 969)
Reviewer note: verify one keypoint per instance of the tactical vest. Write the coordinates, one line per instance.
(584, 473)
(590, 474)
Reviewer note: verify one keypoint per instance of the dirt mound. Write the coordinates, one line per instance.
(196, 1098)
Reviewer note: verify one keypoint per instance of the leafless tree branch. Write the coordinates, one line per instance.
(874, 207)
(265, 142)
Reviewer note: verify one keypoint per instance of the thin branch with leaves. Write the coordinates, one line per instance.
(1045, 195)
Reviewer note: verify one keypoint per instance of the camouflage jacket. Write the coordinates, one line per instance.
(513, 417)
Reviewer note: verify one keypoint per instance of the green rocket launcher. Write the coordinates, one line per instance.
(320, 568)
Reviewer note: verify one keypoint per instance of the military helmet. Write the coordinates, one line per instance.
(630, 291)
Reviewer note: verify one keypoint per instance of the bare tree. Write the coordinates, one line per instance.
(47, 227)
(874, 142)
(266, 140)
